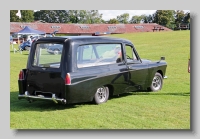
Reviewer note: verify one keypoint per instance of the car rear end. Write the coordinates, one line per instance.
(44, 79)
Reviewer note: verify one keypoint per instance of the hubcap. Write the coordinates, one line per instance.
(156, 82)
(101, 94)
(56, 52)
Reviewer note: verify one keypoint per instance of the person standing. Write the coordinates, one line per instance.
(11, 39)
(28, 39)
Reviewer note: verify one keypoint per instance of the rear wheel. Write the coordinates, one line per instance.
(157, 82)
(101, 95)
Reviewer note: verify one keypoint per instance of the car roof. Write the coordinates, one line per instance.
(92, 39)
(87, 39)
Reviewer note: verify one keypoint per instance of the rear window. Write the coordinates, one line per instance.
(48, 55)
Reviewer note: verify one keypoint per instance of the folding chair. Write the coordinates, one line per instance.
(19, 50)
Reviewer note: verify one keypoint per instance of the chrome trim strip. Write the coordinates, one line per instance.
(56, 100)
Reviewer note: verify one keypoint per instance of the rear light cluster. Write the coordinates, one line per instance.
(21, 75)
(67, 79)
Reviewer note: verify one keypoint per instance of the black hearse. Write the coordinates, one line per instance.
(87, 68)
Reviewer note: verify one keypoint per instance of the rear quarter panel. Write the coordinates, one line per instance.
(85, 82)
(156, 67)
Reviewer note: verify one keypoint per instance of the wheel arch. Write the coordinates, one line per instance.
(160, 71)
(110, 89)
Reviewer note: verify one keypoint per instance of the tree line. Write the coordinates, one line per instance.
(168, 18)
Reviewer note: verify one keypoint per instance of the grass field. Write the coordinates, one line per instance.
(166, 109)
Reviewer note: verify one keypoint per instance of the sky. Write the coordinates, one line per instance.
(109, 14)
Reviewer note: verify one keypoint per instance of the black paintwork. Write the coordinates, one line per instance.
(119, 77)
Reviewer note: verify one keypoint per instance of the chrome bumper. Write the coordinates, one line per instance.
(30, 98)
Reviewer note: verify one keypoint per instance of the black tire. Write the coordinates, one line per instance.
(101, 95)
(157, 83)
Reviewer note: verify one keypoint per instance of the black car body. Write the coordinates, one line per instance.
(89, 68)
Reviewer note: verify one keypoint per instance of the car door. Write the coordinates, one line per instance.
(137, 71)
(44, 74)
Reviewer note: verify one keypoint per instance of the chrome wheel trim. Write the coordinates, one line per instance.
(157, 82)
(101, 94)
(55, 52)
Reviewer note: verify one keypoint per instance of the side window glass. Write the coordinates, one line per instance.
(130, 54)
(110, 52)
(88, 52)
(98, 54)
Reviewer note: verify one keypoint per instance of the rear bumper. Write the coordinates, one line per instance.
(30, 98)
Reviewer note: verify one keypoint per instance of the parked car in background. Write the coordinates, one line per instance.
(55, 49)
(49, 35)
(89, 68)
(25, 45)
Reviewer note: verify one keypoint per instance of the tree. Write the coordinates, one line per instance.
(164, 17)
(61, 16)
(75, 16)
(138, 19)
(26, 16)
(69, 16)
(13, 17)
(179, 16)
(135, 19)
(124, 18)
(113, 21)
(186, 18)
(52, 16)
(93, 17)
(148, 19)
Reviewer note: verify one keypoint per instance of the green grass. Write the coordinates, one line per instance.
(166, 109)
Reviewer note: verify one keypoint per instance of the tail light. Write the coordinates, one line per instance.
(21, 75)
(67, 79)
